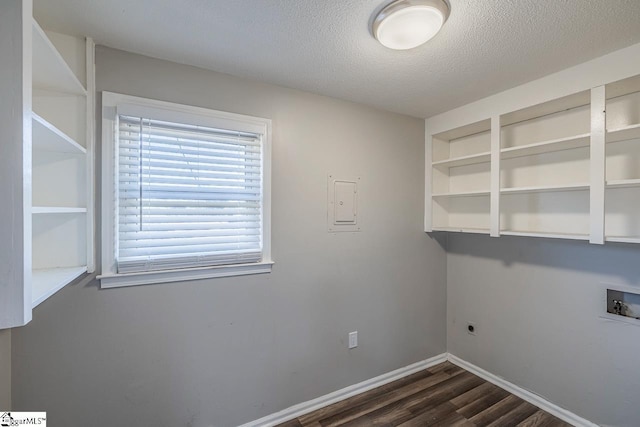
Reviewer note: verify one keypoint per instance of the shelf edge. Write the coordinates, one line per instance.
(506, 153)
(67, 275)
(622, 183)
(79, 88)
(78, 149)
(37, 210)
(545, 235)
(463, 159)
(524, 190)
(463, 194)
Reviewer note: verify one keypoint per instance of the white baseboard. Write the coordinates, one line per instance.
(522, 393)
(328, 399)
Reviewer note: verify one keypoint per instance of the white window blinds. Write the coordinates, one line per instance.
(188, 196)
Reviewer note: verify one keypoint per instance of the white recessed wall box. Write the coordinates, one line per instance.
(342, 204)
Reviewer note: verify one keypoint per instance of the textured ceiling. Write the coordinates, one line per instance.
(325, 46)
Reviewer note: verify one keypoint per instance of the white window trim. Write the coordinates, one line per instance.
(110, 278)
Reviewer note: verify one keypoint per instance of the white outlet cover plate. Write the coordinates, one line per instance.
(353, 339)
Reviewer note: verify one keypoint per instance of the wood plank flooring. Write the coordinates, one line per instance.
(444, 395)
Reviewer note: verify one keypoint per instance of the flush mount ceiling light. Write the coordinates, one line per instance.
(405, 24)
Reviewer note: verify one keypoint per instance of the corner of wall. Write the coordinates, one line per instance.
(5, 369)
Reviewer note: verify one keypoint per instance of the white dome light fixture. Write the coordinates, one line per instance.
(405, 24)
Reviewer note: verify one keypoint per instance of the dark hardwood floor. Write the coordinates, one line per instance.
(444, 395)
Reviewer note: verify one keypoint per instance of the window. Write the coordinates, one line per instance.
(185, 192)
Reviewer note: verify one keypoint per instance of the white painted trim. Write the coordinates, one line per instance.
(27, 170)
(15, 163)
(111, 102)
(164, 110)
(428, 180)
(353, 390)
(166, 276)
(331, 398)
(522, 393)
(90, 105)
(496, 147)
(598, 161)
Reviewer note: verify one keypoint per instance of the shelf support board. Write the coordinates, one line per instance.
(598, 164)
(428, 179)
(494, 212)
(15, 162)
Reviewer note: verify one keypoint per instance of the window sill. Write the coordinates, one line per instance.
(167, 276)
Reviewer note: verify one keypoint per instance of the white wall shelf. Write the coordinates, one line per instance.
(564, 168)
(463, 194)
(543, 189)
(460, 181)
(624, 134)
(623, 183)
(62, 166)
(622, 156)
(47, 137)
(560, 144)
(463, 230)
(40, 210)
(545, 235)
(50, 70)
(464, 160)
(47, 282)
(48, 155)
(553, 106)
(623, 239)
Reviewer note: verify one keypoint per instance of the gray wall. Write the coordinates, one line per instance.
(5, 369)
(226, 351)
(536, 305)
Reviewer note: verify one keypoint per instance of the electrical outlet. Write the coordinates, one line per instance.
(353, 339)
(471, 328)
